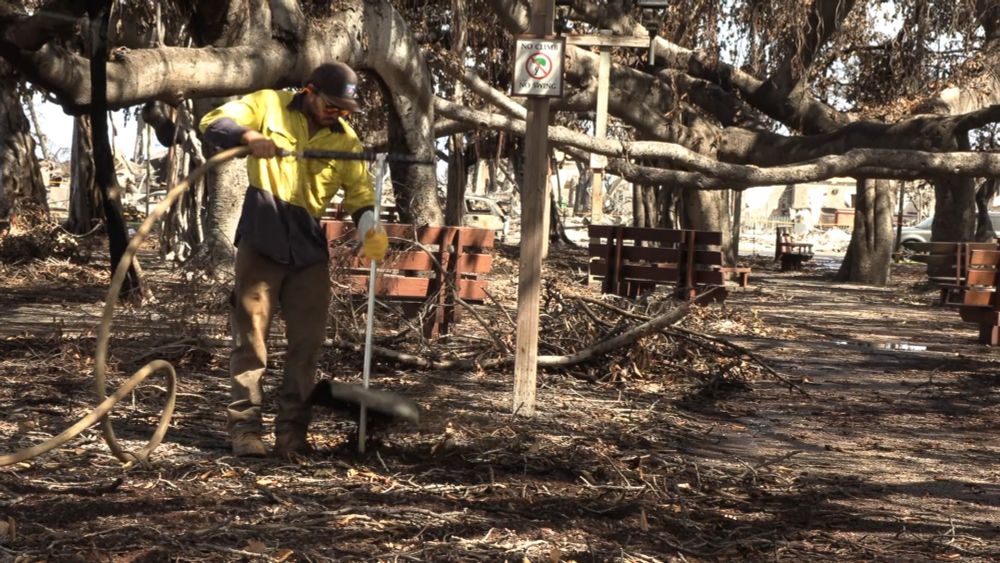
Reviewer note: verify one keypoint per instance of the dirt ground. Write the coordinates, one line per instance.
(681, 448)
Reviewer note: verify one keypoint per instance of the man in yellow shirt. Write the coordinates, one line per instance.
(282, 252)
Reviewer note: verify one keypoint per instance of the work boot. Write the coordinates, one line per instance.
(291, 443)
(249, 444)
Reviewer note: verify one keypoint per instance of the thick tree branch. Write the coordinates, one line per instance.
(825, 18)
(49, 21)
(852, 162)
(168, 73)
(804, 114)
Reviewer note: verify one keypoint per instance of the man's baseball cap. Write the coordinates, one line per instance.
(338, 83)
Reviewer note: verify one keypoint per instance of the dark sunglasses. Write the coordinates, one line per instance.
(330, 109)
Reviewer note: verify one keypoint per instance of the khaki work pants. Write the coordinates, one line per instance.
(304, 297)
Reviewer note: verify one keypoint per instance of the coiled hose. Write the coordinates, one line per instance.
(100, 413)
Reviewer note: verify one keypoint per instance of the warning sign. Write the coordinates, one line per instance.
(538, 67)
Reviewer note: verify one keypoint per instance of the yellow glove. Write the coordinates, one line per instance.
(375, 244)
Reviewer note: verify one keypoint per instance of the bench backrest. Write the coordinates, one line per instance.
(949, 262)
(783, 244)
(420, 260)
(630, 260)
(982, 277)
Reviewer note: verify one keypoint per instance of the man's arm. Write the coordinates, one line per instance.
(238, 123)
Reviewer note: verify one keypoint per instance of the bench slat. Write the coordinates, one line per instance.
(984, 257)
(479, 238)
(977, 297)
(657, 255)
(644, 234)
(630, 273)
(981, 277)
(648, 254)
(420, 261)
(403, 287)
(942, 247)
(599, 268)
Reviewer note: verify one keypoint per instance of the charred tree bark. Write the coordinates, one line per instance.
(984, 195)
(104, 166)
(638, 206)
(870, 251)
(581, 203)
(20, 174)
(455, 202)
(85, 209)
(737, 222)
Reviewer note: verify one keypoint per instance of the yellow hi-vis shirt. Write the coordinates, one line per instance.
(310, 183)
(287, 196)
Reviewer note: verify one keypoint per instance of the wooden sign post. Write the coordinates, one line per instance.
(599, 162)
(537, 74)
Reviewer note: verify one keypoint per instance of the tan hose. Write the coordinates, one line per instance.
(104, 334)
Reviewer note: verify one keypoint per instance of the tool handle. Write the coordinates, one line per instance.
(345, 155)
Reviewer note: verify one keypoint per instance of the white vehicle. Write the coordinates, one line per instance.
(484, 213)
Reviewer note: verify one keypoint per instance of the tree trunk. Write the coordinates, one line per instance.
(457, 173)
(43, 141)
(85, 209)
(638, 206)
(581, 204)
(226, 186)
(667, 203)
(20, 174)
(984, 195)
(104, 164)
(955, 203)
(954, 210)
(455, 201)
(651, 206)
(870, 251)
(707, 211)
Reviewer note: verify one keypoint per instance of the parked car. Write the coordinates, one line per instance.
(484, 213)
(921, 232)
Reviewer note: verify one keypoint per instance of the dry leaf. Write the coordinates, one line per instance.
(283, 555)
(643, 521)
(7, 530)
(255, 546)
(555, 555)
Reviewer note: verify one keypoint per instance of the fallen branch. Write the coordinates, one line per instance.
(686, 333)
(622, 340)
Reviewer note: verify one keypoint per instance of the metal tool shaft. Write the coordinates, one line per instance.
(380, 165)
(366, 156)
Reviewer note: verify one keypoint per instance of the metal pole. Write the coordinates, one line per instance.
(380, 165)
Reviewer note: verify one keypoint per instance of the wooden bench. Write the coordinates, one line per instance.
(791, 254)
(948, 265)
(422, 269)
(980, 304)
(742, 274)
(632, 260)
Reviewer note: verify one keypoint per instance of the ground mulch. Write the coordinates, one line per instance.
(785, 424)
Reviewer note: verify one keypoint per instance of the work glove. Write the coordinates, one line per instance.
(372, 237)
